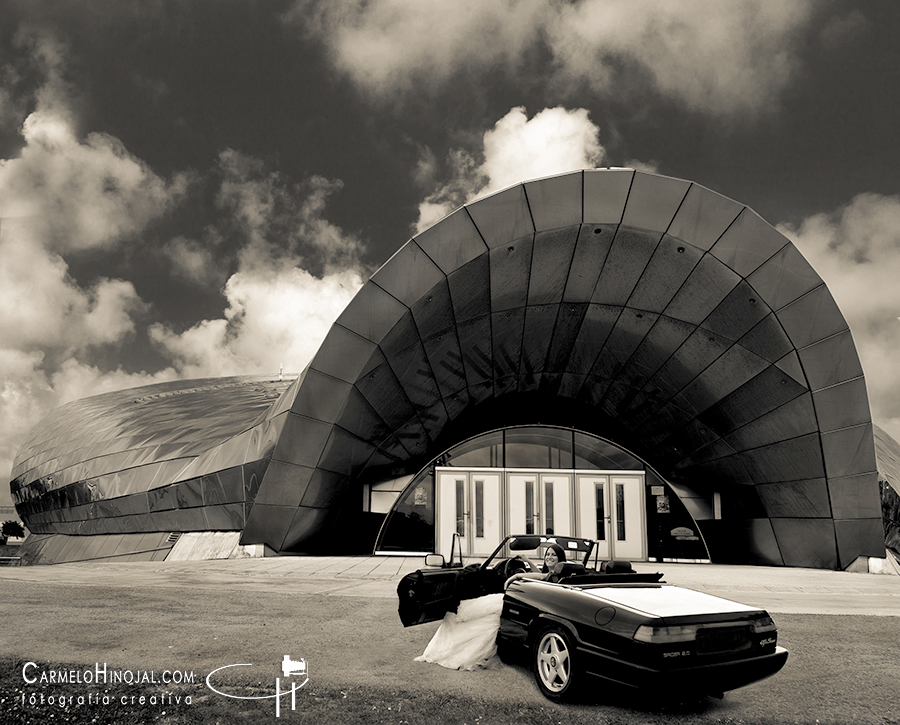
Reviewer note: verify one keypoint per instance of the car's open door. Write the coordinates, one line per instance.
(426, 596)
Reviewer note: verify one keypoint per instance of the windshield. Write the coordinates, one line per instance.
(534, 549)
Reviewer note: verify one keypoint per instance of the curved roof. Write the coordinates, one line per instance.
(155, 434)
(646, 310)
(654, 312)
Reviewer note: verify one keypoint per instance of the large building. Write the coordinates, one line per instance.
(608, 353)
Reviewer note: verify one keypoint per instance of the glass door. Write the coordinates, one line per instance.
(468, 507)
(611, 510)
(538, 503)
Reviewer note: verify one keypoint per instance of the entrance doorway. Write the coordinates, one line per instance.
(481, 506)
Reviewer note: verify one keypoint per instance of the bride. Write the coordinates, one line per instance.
(467, 638)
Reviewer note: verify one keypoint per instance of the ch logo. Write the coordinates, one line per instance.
(292, 669)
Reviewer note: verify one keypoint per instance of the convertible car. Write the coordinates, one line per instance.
(585, 620)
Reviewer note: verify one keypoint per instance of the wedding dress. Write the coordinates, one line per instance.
(467, 638)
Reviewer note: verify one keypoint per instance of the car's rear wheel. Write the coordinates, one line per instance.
(553, 657)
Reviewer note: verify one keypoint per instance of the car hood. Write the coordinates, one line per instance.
(667, 600)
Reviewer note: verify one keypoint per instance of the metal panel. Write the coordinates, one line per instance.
(784, 278)
(540, 322)
(284, 484)
(653, 201)
(789, 460)
(849, 451)
(506, 331)
(697, 353)
(433, 313)
(767, 339)
(797, 499)
(302, 441)
(724, 376)
(401, 337)
(409, 274)
(342, 354)
(747, 243)
(555, 201)
(831, 361)
(510, 273)
(794, 418)
(414, 375)
(569, 319)
(385, 394)
(344, 453)
(321, 398)
(470, 289)
(305, 521)
(709, 284)
(671, 264)
(475, 344)
(859, 537)
(502, 216)
(842, 406)
(324, 488)
(806, 542)
(162, 499)
(659, 344)
(446, 362)
(703, 217)
(598, 322)
(855, 497)
(372, 312)
(189, 493)
(229, 517)
(550, 264)
(628, 256)
(630, 330)
(267, 525)
(605, 194)
(591, 251)
(729, 469)
(790, 365)
(737, 313)
(452, 242)
(434, 419)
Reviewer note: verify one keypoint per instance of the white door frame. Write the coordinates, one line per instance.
(571, 515)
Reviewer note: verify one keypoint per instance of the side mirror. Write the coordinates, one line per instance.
(434, 560)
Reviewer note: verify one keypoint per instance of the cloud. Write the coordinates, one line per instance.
(89, 193)
(856, 250)
(296, 273)
(516, 149)
(274, 317)
(711, 56)
(195, 261)
(282, 222)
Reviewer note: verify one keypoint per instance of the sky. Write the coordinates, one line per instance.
(196, 188)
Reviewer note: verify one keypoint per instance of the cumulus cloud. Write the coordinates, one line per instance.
(711, 56)
(89, 193)
(275, 316)
(195, 261)
(516, 149)
(296, 273)
(856, 250)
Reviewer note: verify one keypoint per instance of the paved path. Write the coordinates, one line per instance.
(777, 589)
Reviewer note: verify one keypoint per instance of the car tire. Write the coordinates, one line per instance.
(554, 664)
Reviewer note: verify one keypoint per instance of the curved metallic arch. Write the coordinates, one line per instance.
(668, 318)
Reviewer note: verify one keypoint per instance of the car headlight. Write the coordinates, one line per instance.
(661, 635)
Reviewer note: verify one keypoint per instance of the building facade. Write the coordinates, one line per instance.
(606, 353)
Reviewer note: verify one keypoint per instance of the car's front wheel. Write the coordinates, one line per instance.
(554, 667)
